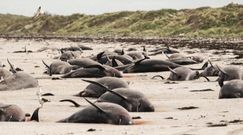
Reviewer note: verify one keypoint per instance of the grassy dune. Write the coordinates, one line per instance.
(226, 21)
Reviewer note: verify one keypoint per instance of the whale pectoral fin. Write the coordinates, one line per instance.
(47, 94)
(73, 102)
(106, 88)
(97, 83)
(97, 107)
(205, 77)
(45, 64)
(118, 94)
(12, 67)
(172, 71)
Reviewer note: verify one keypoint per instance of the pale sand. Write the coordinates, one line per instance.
(165, 97)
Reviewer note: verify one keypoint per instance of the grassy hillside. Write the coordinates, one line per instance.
(203, 22)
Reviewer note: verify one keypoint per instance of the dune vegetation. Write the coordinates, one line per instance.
(225, 21)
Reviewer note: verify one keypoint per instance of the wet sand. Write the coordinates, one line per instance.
(167, 98)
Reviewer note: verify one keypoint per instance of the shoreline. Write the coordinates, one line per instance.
(207, 43)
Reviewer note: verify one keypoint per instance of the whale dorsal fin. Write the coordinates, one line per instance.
(35, 115)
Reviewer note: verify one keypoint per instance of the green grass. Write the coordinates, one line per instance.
(226, 21)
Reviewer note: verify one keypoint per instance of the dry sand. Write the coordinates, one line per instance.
(167, 119)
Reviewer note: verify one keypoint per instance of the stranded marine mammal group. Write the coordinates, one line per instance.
(114, 97)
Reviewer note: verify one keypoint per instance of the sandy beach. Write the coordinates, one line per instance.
(224, 114)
